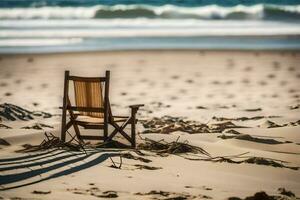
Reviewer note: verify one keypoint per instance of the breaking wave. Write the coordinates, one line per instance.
(259, 11)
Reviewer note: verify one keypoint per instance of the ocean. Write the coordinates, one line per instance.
(45, 26)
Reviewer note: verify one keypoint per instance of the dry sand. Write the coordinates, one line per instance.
(208, 89)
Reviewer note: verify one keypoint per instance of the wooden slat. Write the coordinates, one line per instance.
(85, 109)
(87, 79)
(91, 137)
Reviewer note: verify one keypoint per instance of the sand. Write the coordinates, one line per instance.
(226, 102)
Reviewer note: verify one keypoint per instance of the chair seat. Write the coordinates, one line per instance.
(96, 120)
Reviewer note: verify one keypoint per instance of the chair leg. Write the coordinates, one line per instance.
(63, 125)
(133, 133)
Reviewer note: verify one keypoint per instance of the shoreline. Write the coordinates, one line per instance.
(154, 50)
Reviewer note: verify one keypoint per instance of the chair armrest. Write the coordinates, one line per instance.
(136, 106)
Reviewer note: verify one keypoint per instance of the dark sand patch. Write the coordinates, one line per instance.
(201, 107)
(130, 156)
(264, 196)
(3, 84)
(253, 110)
(4, 142)
(3, 126)
(250, 138)
(163, 195)
(95, 191)
(8, 94)
(30, 60)
(41, 192)
(147, 167)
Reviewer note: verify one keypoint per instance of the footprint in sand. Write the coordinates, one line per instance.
(3, 84)
(44, 85)
(18, 81)
(248, 69)
(175, 77)
(245, 81)
(283, 83)
(30, 60)
(7, 94)
(276, 65)
(262, 83)
(229, 82)
(291, 69)
(271, 76)
(189, 81)
(215, 82)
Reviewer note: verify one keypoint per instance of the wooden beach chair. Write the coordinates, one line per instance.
(92, 110)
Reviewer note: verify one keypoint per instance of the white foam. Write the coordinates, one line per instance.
(135, 23)
(174, 32)
(37, 42)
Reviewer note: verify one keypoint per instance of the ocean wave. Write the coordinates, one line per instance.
(259, 11)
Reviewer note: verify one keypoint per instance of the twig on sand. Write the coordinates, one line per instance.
(114, 164)
(51, 141)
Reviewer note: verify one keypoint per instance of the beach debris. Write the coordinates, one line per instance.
(13, 112)
(242, 118)
(171, 195)
(296, 123)
(38, 126)
(168, 124)
(51, 141)
(114, 164)
(257, 196)
(253, 110)
(264, 196)
(94, 191)
(250, 138)
(147, 167)
(41, 192)
(164, 148)
(285, 192)
(108, 194)
(4, 142)
(5, 126)
(231, 131)
(269, 124)
(130, 156)
(201, 107)
(241, 158)
(294, 107)
(269, 162)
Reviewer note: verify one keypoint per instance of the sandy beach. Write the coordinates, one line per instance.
(241, 107)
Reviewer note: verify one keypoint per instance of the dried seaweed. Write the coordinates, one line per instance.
(166, 148)
(52, 141)
(13, 112)
(168, 124)
(37, 126)
(5, 126)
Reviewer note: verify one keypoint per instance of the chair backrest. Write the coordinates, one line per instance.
(90, 93)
